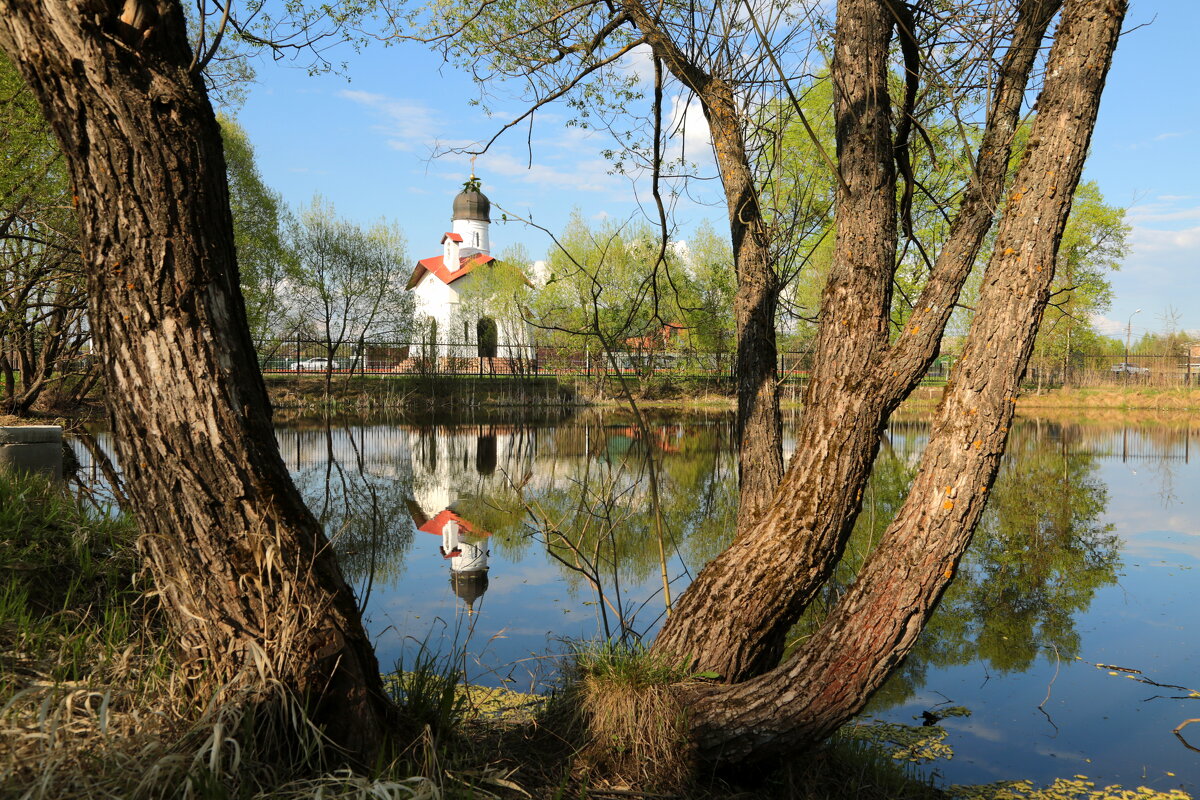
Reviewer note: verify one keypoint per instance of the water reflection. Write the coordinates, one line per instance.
(575, 497)
(1040, 553)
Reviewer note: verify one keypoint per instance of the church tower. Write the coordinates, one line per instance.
(471, 218)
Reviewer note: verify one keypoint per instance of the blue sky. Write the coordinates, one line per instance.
(365, 141)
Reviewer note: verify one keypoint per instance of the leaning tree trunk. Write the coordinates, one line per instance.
(759, 428)
(879, 619)
(249, 581)
(859, 378)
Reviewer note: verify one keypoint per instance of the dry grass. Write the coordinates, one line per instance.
(123, 740)
(637, 735)
(91, 704)
(1142, 397)
(621, 711)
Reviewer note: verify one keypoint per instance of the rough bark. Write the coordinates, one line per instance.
(759, 429)
(858, 378)
(875, 625)
(255, 596)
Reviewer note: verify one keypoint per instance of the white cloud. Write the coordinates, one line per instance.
(1159, 272)
(408, 125)
(583, 177)
(690, 135)
(1106, 326)
(1174, 244)
(1163, 209)
(638, 64)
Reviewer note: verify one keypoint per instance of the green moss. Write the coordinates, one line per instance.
(1075, 788)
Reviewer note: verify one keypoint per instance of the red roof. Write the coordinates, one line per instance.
(436, 524)
(454, 237)
(438, 268)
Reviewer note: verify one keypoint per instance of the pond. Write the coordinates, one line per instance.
(1066, 634)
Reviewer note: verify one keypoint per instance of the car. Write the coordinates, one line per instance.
(1129, 369)
(318, 365)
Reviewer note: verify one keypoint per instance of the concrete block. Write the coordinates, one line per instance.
(32, 448)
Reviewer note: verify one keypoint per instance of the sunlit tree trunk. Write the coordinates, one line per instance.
(859, 377)
(879, 619)
(759, 428)
(249, 581)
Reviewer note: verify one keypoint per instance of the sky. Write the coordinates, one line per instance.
(369, 140)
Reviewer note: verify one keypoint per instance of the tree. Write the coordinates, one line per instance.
(254, 595)
(259, 220)
(348, 283)
(878, 619)
(1094, 243)
(43, 325)
(494, 307)
(872, 347)
(601, 285)
(706, 299)
(554, 52)
(152, 311)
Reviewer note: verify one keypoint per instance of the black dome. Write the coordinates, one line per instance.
(470, 586)
(472, 204)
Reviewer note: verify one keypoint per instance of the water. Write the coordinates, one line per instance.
(1066, 634)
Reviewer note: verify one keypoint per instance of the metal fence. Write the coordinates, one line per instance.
(1118, 370)
(312, 357)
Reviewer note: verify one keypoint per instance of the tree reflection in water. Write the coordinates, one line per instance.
(576, 494)
(1038, 557)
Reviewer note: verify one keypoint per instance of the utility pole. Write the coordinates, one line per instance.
(1128, 329)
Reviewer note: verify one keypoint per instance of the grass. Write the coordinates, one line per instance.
(90, 703)
(620, 710)
(70, 601)
(430, 693)
(1123, 398)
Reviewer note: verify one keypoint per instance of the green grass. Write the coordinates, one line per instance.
(627, 666)
(429, 693)
(69, 601)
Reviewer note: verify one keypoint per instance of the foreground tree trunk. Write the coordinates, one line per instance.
(248, 579)
(877, 622)
(859, 377)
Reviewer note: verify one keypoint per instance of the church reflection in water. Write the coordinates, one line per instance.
(464, 546)
(440, 468)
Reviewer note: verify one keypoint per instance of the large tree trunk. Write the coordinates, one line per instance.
(759, 428)
(877, 622)
(254, 594)
(859, 378)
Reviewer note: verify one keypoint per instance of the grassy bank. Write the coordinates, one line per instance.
(1132, 398)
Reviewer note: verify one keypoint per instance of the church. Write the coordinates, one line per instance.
(462, 320)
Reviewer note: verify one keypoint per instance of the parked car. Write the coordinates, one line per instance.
(1129, 369)
(319, 365)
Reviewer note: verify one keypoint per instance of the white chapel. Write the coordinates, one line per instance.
(438, 284)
